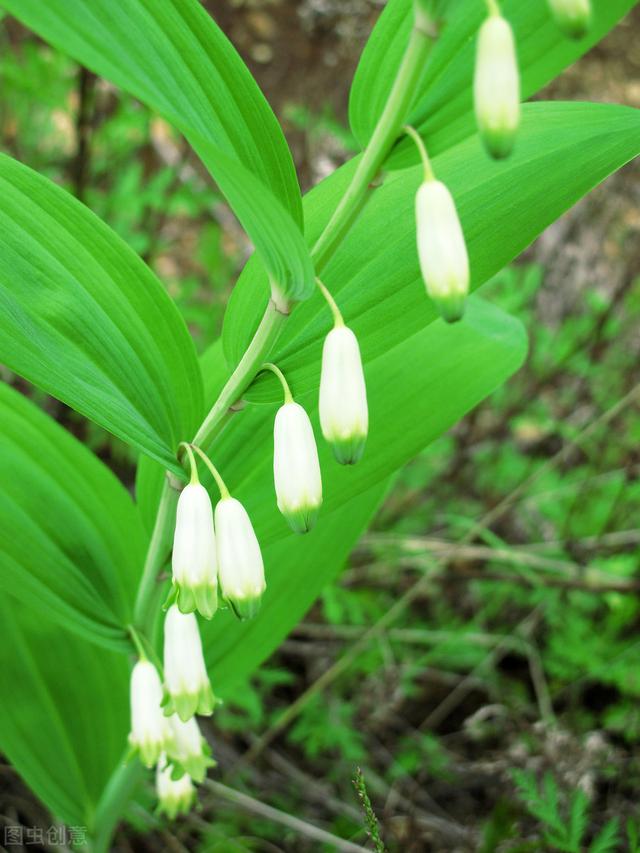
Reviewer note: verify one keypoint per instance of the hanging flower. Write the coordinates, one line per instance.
(442, 250)
(497, 86)
(175, 796)
(194, 553)
(573, 17)
(187, 687)
(296, 468)
(240, 566)
(150, 730)
(344, 416)
(190, 752)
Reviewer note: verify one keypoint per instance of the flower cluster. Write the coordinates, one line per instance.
(216, 558)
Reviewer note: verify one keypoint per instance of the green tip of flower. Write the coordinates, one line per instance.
(195, 765)
(574, 28)
(203, 598)
(246, 607)
(498, 143)
(451, 309)
(303, 519)
(173, 805)
(187, 705)
(348, 451)
(148, 752)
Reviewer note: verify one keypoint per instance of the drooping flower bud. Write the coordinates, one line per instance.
(190, 752)
(442, 250)
(195, 585)
(187, 687)
(296, 469)
(240, 566)
(497, 86)
(150, 730)
(175, 796)
(573, 17)
(344, 416)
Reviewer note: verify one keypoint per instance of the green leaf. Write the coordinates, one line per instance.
(64, 721)
(443, 106)
(82, 317)
(71, 541)
(564, 151)
(173, 57)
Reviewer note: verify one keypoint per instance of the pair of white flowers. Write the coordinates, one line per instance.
(164, 731)
(207, 554)
(442, 250)
(344, 420)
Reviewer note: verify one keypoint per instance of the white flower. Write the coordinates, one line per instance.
(186, 682)
(572, 16)
(175, 796)
(497, 86)
(442, 249)
(190, 752)
(296, 469)
(344, 416)
(150, 730)
(195, 585)
(240, 566)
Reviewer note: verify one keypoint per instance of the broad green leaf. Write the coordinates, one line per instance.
(64, 718)
(82, 317)
(564, 150)
(459, 366)
(443, 106)
(71, 541)
(173, 57)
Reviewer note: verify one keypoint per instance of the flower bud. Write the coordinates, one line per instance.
(240, 566)
(497, 86)
(573, 17)
(187, 687)
(150, 730)
(175, 796)
(441, 249)
(344, 416)
(195, 585)
(296, 469)
(190, 752)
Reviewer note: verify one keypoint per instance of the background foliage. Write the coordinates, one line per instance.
(517, 657)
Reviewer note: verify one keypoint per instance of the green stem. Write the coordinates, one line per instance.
(426, 162)
(492, 7)
(113, 803)
(288, 396)
(382, 141)
(156, 554)
(224, 491)
(244, 374)
(192, 461)
(338, 319)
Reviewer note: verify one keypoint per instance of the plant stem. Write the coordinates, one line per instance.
(158, 548)
(113, 802)
(244, 374)
(224, 491)
(288, 396)
(384, 136)
(338, 319)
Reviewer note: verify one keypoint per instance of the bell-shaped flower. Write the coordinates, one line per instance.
(296, 469)
(496, 86)
(187, 687)
(195, 585)
(190, 752)
(175, 796)
(442, 250)
(151, 733)
(573, 17)
(240, 566)
(344, 416)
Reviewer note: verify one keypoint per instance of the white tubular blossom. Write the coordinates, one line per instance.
(240, 566)
(296, 468)
(175, 796)
(190, 752)
(186, 682)
(150, 731)
(573, 17)
(194, 553)
(344, 416)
